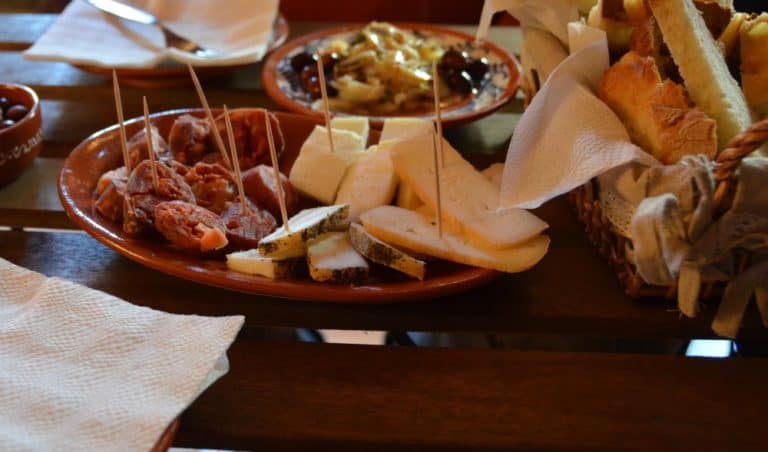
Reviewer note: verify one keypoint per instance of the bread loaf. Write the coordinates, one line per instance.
(702, 67)
(658, 115)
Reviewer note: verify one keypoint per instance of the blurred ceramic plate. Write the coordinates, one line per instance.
(176, 74)
(279, 78)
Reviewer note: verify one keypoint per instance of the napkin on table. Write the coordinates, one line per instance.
(83, 370)
(82, 34)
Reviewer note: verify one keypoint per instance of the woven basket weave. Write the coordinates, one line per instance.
(613, 247)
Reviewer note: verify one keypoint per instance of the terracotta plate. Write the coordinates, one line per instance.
(176, 74)
(501, 87)
(101, 152)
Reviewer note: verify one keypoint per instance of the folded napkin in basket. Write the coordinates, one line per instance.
(240, 29)
(568, 136)
(83, 370)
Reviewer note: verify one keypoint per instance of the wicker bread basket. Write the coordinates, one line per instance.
(613, 246)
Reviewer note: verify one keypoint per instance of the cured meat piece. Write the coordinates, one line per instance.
(141, 196)
(110, 201)
(251, 135)
(190, 139)
(259, 185)
(190, 227)
(213, 185)
(180, 168)
(137, 147)
(119, 174)
(245, 230)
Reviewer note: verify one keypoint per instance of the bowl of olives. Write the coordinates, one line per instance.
(20, 130)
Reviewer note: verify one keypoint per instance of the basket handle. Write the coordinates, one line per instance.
(729, 159)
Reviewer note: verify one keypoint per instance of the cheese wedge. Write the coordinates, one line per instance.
(304, 226)
(494, 174)
(369, 183)
(317, 172)
(357, 124)
(346, 144)
(469, 200)
(253, 263)
(331, 258)
(381, 253)
(407, 198)
(407, 229)
(405, 128)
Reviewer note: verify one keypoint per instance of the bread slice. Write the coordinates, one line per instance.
(754, 62)
(658, 115)
(702, 66)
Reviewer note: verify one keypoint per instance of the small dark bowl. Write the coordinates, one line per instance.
(21, 142)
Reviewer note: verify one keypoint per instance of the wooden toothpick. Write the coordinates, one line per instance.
(438, 113)
(121, 122)
(324, 94)
(150, 146)
(437, 185)
(276, 169)
(236, 164)
(209, 115)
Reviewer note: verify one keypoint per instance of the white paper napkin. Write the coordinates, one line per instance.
(240, 29)
(83, 370)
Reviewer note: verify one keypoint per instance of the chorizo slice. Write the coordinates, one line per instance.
(250, 134)
(190, 227)
(259, 185)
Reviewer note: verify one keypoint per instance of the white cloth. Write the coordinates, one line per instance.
(83, 370)
(82, 34)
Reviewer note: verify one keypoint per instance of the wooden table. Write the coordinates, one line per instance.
(489, 395)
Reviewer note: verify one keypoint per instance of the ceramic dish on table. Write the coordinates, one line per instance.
(176, 74)
(21, 133)
(279, 78)
(101, 152)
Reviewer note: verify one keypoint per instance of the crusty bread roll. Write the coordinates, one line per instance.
(754, 63)
(658, 115)
(702, 66)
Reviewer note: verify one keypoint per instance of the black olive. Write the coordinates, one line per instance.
(5, 103)
(329, 62)
(16, 112)
(5, 123)
(310, 82)
(478, 69)
(330, 89)
(453, 59)
(301, 60)
(460, 81)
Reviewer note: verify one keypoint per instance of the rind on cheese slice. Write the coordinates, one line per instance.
(410, 230)
(304, 226)
(253, 263)
(332, 258)
(702, 66)
(384, 254)
(346, 144)
(469, 200)
(357, 124)
(369, 183)
(317, 172)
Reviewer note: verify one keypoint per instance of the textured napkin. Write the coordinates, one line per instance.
(83, 370)
(82, 34)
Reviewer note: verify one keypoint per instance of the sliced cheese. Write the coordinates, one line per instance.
(357, 124)
(346, 144)
(369, 183)
(406, 197)
(253, 263)
(494, 174)
(381, 253)
(304, 226)
(469, 200)
(405, 128)
(410, 230)
(317, 172)
(331, 258)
